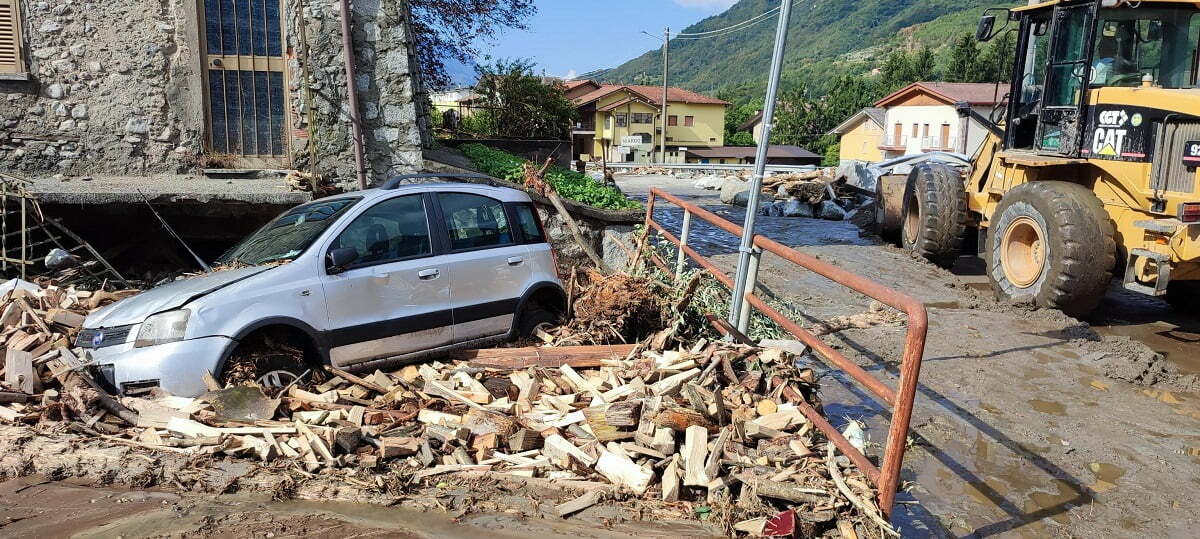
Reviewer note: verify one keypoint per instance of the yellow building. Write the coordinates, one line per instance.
(861, 135)
(620, 123)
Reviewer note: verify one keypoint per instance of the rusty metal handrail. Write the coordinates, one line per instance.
(899, 400)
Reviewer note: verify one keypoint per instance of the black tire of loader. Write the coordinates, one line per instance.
(1081, 246)
(936, 193)
(1184, 296)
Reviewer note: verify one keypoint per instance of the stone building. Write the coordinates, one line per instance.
(154, 88)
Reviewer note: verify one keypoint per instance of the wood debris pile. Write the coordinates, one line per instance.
(40, 323)
(702, 427)
(616, 308)
(652, 171)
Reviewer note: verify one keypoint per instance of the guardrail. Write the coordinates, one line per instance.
(899, 400)
(782, 169)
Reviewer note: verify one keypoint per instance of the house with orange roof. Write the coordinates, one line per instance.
(621, 122)
(923, 117)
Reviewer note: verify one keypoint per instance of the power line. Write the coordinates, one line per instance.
(752, 20)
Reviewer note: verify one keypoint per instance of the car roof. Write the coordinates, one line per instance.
(504, 194)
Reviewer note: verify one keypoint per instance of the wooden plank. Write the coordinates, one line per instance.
(694, 451)
(19, 372)
(622, 471)
(579, 504)
(670, 481)
(548, 356)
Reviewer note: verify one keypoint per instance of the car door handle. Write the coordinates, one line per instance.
(428, 274)
(515, 260)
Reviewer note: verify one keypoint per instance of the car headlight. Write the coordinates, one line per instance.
(162, 328)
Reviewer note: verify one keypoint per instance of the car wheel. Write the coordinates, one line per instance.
(272, 358)
(534, 319)
(1054, 243)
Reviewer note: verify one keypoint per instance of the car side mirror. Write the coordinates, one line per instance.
(986, 24)
(337, 259)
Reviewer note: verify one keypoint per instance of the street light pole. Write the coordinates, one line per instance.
(741, 283)
(663, 120)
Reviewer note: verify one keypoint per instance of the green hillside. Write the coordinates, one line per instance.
(828, 38)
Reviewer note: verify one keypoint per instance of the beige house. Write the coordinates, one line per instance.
(861, 135)
(923, 117)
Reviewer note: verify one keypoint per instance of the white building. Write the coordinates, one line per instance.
(923, 117)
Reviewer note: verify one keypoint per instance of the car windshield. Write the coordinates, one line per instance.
(1160, 42)
(288, 235)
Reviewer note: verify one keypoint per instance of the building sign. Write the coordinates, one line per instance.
(622, 150)
(634, 140)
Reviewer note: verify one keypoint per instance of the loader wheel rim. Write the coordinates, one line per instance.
(912, 222)
(1023, 252)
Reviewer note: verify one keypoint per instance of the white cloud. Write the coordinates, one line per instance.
(708, 5)
(571, 74)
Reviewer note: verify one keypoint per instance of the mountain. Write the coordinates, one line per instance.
(826, 38)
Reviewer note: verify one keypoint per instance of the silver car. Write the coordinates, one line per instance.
(359, 280)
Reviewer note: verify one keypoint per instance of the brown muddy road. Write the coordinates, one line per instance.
(1017, 431)
(35, 507)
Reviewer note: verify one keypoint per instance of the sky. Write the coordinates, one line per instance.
(571, 37)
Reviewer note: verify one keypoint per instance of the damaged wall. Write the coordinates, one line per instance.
(118, 88)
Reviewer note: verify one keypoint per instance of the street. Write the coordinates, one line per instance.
(1017, 430)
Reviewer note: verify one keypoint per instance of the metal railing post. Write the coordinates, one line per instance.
(743, 323)
(683, 242)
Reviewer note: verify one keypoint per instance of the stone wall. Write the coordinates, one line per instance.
(385, 84)
(117, 89)
(114, 90)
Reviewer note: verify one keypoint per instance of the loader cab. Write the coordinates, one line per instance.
(1066, 48)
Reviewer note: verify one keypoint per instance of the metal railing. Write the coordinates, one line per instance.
(689, 167)
(899, 400)
(892, 141)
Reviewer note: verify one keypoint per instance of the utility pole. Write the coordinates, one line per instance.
(739, 309)
(663, 120)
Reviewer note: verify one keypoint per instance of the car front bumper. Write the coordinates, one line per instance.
(177, 367)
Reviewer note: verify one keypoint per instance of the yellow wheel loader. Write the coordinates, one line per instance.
(1090, 167)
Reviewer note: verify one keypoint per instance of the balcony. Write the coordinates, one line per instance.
(584, 127)
(892, 143)
(935, 144)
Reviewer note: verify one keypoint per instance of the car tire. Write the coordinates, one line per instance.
(1051, 242)
(934, 215)
(534, 318)
(1184, 296)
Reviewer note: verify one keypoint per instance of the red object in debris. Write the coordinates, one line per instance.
(781, 525)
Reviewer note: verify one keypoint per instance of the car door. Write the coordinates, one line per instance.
(394, 298)
(488, 266)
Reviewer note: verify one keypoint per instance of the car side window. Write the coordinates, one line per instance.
(474, 222)
(394, 229)
(527, 219)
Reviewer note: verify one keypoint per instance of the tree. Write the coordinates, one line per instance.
(923, 65)
(735, 116)
(964, 64)
(519, 104)
(997, 60)
(452, 29)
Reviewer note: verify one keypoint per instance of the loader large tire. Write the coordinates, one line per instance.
(934, 214)
(1184, 296)
(1051, 242)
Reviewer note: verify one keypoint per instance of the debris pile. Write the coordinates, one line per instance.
(814, 194)
(319, 185)
(651, 171)
(705, 422)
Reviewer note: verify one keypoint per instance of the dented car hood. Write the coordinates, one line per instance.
(173, 295)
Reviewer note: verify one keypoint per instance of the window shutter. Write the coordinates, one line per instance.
(10, 38)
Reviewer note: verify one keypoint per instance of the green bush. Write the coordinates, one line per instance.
(568, 183)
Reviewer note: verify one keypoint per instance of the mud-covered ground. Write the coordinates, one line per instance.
(1028, 423)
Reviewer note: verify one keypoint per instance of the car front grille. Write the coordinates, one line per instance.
(87, 338)
(1170, 173)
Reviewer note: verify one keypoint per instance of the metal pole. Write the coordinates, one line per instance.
(683, 242)
(760, 165)
(663, 136)
(356, 138)
(743, 323)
